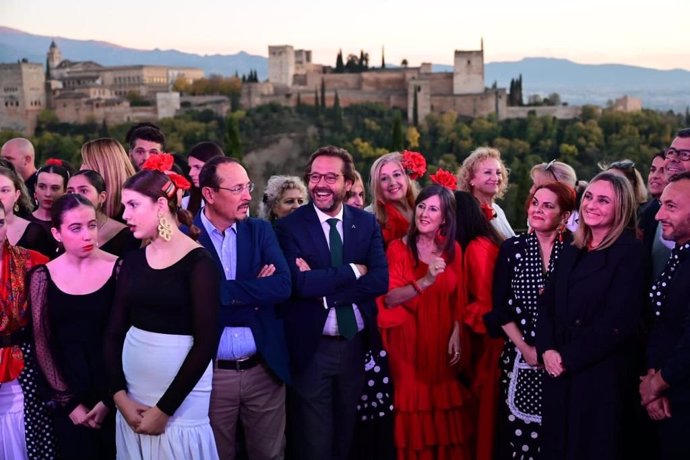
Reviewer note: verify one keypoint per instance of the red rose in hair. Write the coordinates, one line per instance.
(414, 164)
(159, 162)
(179, 181)
(53, 162)
(445, 179)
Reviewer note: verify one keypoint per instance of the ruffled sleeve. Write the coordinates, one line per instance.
(400, 273)
(480, 259)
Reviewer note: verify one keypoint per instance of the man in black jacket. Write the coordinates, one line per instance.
(665, 390)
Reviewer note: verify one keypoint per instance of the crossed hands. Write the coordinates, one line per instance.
(93, 418)
(141, 418)
(303, 266)
(657, 405)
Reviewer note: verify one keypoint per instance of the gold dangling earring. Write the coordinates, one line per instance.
(164, 228)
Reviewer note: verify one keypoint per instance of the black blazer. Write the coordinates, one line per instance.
(647, 224)
(300, 235)
(668, 346)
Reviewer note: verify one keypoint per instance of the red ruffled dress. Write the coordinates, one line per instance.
(433, 411)
(396, 224)
(481, 352)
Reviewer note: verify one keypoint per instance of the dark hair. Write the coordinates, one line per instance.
(685, 175)
(151, 183)
(146, 131)
(471, 222)
(446, 230)
(566, 196)
(23, 202)
(66, 203)
(203, 151)
(661, 154)
(685, 132)
(332, 151)
(208, 176)
(55, 169)
(94, 178)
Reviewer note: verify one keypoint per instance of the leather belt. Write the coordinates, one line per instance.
(16, 338)
(239, 365)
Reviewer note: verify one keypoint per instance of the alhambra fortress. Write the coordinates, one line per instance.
(85, 91)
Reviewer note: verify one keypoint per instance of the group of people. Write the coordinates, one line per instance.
(145, 314)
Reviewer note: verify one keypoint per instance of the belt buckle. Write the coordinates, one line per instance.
(238, 363)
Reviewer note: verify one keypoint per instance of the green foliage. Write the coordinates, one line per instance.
(233, 145)
(397, 139)
(339, 65)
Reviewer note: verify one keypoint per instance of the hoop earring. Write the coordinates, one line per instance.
(164, 228)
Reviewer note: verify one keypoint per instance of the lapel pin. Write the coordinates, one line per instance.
(353, 226)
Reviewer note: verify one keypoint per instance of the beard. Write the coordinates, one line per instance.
(327, 204)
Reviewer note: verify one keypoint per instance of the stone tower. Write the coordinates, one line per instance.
(54, 56)
(281, 64)
(468, 72)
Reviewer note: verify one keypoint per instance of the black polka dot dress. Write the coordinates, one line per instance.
(519, 280)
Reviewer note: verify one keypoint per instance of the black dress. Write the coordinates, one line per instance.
(590, 313)
(519, 279)
(36, 238)
(69, 331)
(122, 243)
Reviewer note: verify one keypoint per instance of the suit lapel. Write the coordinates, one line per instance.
(243, 250)
(349, 235)
(313, 226)
(205, 239)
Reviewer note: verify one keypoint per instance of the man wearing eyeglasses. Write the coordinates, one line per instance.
(335, 254)
(251, 364)
(678, 154)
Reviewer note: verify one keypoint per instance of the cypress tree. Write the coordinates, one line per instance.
(415, 107)
(383, 59)
(316, 99)
(339, 65)
(323, 93)
(233, 145)
(397, 140)
(337, 114)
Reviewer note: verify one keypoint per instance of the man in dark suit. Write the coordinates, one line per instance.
(252, 360)
(665, 390)
(335, 253)
(647, 224)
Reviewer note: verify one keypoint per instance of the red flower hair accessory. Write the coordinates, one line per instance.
(54, 162)
(163, 162)
(445, 179)
(414, 164)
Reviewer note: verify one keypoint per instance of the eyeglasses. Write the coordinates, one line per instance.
(682, 155)
(330, 178)
(624, 165)
(238, 189)
(549, 167)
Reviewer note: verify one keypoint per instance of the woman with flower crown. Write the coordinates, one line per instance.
(420, 320)
(158, 346)
(393, 190)
(484, 175)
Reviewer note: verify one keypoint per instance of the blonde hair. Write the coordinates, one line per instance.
(624, 212)
(107, 157)
(467, 171)
(275, 188)
(377, 204)
(557, 170)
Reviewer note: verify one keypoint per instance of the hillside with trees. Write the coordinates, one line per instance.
(369, 130)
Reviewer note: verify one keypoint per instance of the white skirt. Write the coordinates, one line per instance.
(150, 362)
(12, 430)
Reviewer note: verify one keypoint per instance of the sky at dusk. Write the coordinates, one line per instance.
(644, 33)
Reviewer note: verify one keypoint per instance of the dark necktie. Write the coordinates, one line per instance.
(347, 325)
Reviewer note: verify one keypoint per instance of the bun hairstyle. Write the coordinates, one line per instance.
(156, 184)
(66, 203)
(59, 167)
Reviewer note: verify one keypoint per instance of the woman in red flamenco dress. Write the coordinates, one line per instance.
(420, 321)
(393, 191)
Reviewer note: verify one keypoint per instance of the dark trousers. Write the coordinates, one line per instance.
(674, 432)
(323, 400)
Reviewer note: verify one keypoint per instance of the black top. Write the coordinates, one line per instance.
(181, 299)
(35, 237)
(122, 243)
(68, 331)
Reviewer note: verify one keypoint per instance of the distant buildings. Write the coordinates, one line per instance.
(292, 76)
(85, 91)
